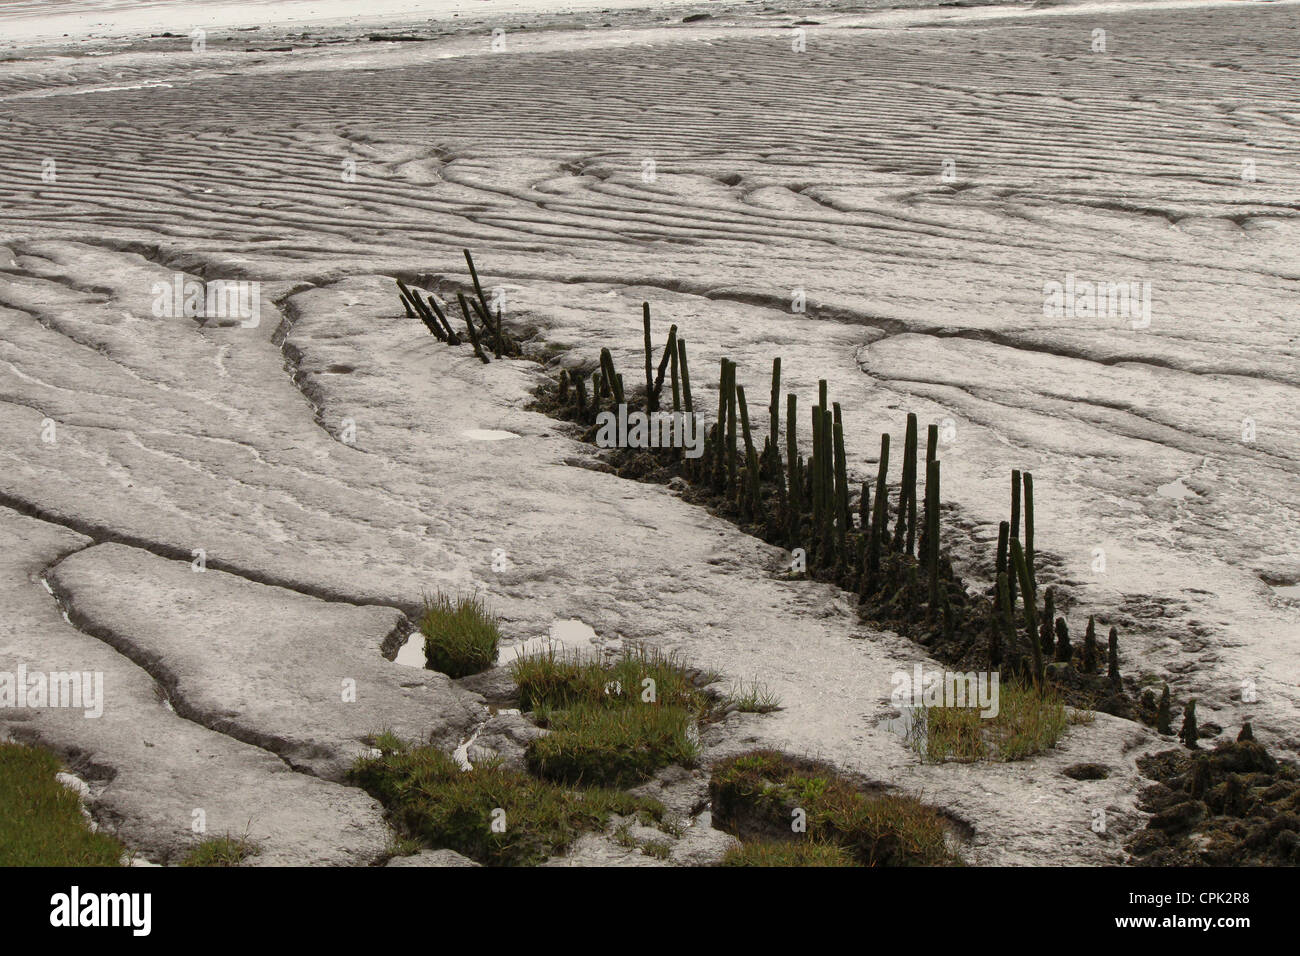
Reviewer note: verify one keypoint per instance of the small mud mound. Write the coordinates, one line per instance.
(1233, 806)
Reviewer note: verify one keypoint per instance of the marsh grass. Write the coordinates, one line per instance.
(753, 698)
(222, 851)
(1030, 720)
(460, 635)
(756, 795)
(786, 853)
(613, 746)
(431, 799)
(554, 679)
(41, 823)
(612, 721)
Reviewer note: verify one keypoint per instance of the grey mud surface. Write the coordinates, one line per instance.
(325, 461)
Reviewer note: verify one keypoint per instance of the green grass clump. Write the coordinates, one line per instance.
(41, 823)
(460, 635)
(555, 679)
(754, 698)
(612, 746)
(430, 798)
(756, 796)
(222, 851)
(786, 853)
(1029, 720)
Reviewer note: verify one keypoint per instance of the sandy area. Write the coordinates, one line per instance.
(320, 162)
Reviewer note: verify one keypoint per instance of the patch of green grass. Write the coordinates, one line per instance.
(612, 746)
(786, 853)
(222, 851)
(491, 814)
(41, 823)
(1029, 721)
(555, 679)
(659, 849)
(460, 635)
(760, 795)
(754, 698)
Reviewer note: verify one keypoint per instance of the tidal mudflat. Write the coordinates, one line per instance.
(237, 463)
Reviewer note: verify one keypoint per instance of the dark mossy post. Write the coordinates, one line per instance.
(478, 287)
(879, 521)
(473, 333)
(649, 359)
(1090, 647)
(1045, 636)
(580, 394)
(686, 375)
(1029, 533)
(1015, 519)
(815, 420)
(905, 529)
(610, 382)
(720, 430)
(1164, 721)
(1000, 564)
(676, 369)
(452, 337)
(842, 493)
(1064, 652)
(1006, 616)
(910, 543)
(774, 422)
(792, 466)
(932, 533)
(670, 351)
(754, 498)
(1190, 733)
(864, 510)
(830, 503)
(564, 387)
(1112, 659)
(1031, 614)
(931, 449)
(733, 469)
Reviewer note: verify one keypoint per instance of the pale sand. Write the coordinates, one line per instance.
(775, 170)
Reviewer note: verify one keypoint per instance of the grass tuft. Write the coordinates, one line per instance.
(786, 853)
(222, 851)
(554, 679)
(1030, 720)
(757, 796)
(491, 814)
(41, 823)
(613, 746)
(460, 635)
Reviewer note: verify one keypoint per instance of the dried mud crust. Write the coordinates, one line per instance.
(1235, 805)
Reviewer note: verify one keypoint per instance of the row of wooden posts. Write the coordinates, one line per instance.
(804, 503)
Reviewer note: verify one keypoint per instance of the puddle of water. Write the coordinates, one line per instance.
(1175, 490)
(487, 434)
(907, 725)
(412, 652)
(567, 635)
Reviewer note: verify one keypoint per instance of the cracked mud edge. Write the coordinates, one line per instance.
(166, 683)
